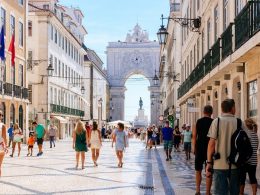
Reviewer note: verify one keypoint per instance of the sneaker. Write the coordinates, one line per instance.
(167, 159)
(28, 154)
(170, 157)
(11, 155)
(38, 154)
(197, 193)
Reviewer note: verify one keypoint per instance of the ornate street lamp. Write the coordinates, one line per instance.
(82, 90)
(155, 78)
(192, 24)
(50, 68)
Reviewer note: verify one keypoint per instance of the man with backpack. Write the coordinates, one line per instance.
(225, 174)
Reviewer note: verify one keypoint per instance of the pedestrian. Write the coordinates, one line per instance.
(95, 143)
(225, 181)
(11, 134)
(80, 140)
(52, 134)
(176, 139)
(154, 135)
(30, 144)
(103, 132)
(200, 146)
(187, 135)
(149, 142)
(119, 138)
(18, 135)
(3, 141)
(40, 133)
(250, 167)
(167, 134)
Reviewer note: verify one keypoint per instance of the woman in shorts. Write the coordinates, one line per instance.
(18, 134)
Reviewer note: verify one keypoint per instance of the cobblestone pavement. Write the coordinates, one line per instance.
(144, 172)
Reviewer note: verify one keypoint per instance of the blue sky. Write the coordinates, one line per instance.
(110, 20)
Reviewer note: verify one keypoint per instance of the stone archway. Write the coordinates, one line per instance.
(137, 55)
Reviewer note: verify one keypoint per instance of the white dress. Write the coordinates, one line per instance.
(94, 140)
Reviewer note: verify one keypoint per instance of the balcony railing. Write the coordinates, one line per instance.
(207, 62)
(25, 93)
(8, 89)
(17, 91)
(215, 52)
(226, 38)
(65, 110)
(247, 24)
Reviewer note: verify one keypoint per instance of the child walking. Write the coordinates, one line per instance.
(30, 144)
(119, 137)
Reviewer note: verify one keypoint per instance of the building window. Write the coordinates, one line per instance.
(55, 66)
(66, 45)
(51, 96)
(20, 75)
(216, 17)
(46, 6)
(226, 14)
(12, 114)
(239, 6)
(202, 41)
(252, 98)
(208, 34)
(198, 50)
(29, 28)
(198, 4)
(59, 73)
(20, 2)
(62, 71)
(30, 93)
(12, 25)
(13, 75)
(62, 17)
(21, 34)
(66, 72)
(62, 42)
(55, 96)
(3, 19)
(55, 36)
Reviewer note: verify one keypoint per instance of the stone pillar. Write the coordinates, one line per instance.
(117, 95)
(155, 99)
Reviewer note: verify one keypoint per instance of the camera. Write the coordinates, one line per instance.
(216, 156)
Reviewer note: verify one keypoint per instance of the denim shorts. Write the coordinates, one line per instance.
(222, 185)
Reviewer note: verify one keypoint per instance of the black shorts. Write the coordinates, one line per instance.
(39, 141)
(199, 161)
(30, 146)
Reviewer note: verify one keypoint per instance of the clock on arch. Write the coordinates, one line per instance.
(136, 59)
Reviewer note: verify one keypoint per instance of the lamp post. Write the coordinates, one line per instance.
(192, 24)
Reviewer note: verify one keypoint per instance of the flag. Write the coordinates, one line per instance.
(2, 44)
(12, 50)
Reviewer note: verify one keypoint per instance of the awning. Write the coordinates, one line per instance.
(61, 119)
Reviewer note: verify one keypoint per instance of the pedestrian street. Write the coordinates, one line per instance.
(144, 172)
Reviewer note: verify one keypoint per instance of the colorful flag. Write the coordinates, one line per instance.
(12, 50)
(2, 44)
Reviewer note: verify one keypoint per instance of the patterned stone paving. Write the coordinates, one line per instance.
(144, 172)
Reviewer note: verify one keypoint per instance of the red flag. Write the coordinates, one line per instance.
(12, 50)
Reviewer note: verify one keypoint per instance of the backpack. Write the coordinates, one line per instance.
(241, 149)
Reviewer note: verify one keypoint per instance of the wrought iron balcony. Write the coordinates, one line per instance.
(25, 93)
(215, 54)
(226, 38)
(17, 91)
(65, 110)
(207, 62)
(247, 23)
(8, 89)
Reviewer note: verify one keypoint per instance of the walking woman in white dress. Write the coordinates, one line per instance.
(95, 143)
(3, 141)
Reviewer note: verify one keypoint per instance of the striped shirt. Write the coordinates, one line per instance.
(254, 143)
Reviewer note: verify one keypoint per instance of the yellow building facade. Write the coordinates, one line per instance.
(221, 60)
(13, 82)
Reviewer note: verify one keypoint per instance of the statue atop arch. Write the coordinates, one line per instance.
(137, 35)
(141, 103)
